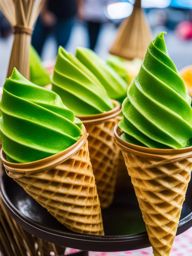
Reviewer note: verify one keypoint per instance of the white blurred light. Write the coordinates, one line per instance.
(156, 3)
(119, 10)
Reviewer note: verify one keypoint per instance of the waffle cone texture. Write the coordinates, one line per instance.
(104, 153)
(64, 184)
(160, 178)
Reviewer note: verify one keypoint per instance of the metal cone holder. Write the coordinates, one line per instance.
(124, 228)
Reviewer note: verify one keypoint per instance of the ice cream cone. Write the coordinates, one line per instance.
(65, 185)
(160, 178)
(103, 152)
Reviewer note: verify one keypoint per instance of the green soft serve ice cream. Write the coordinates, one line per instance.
(38, 74)
(35, 122)
(78, 87)
(115, 86)
(157, 112)
(119, 65)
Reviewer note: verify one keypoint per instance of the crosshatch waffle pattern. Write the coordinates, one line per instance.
(160, 183)
(68, 192)
(104, 156)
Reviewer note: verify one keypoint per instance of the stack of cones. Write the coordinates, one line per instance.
(104, 153)
(160, 178)
(133, 36)
(64, 184)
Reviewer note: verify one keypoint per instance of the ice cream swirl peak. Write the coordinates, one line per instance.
(80, 90)
(157, 111)
(35, 123)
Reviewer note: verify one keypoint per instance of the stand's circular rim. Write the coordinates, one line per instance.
(20, 216)
(107, 243)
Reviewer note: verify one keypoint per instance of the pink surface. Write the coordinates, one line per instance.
(182, 247)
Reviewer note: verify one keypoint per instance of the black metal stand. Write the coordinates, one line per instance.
(124, 228)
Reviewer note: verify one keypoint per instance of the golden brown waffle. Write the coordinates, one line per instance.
(103, 156)
(160, 179)
(65, 185)
(103, 152)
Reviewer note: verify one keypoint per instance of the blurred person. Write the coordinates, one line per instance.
(157, 19)
(93, 13)
(56, 19)
(5, 28)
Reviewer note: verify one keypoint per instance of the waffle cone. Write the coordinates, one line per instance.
(103, 151)
(160, 178)
(64, 184)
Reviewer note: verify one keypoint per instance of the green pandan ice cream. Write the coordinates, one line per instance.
(79, 89)
(157, 112)
(38, 74)
(115, 86)
(119, 65)
(35, 123)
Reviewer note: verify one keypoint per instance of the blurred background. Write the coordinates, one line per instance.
(93, 24)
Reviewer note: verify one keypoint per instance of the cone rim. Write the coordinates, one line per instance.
(65, 154)
(126, 146)
(99, 118)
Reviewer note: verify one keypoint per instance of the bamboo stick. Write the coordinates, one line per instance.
(133, 35)
(22, 15)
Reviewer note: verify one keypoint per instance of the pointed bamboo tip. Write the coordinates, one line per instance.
(133, 37)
